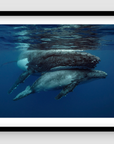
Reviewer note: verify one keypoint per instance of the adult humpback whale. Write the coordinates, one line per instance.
(38, 61)
(66, 79)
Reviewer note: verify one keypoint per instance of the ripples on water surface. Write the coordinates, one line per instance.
(95, 99)
(84, 37)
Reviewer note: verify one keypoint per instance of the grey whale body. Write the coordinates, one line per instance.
(66, 80)
(45, 60)
(39, 61)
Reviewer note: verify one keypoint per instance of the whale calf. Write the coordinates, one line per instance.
(39, 61)
(66, 80)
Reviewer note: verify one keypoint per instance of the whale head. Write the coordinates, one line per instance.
(97, 74)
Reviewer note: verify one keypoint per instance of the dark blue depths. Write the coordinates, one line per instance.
(94, 99)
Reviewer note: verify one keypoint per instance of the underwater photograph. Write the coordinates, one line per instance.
(56, 71)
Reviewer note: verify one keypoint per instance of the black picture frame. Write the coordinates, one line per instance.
(56, 129)
(56, 13)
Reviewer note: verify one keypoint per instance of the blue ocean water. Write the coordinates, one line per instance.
(94, 99)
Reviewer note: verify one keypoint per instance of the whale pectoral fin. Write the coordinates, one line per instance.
(66, 90)
(21, 79)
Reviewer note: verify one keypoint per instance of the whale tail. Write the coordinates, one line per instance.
(24, 93)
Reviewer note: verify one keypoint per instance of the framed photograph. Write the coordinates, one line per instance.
(56, 71)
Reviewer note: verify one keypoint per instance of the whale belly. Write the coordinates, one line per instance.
(53, 80)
